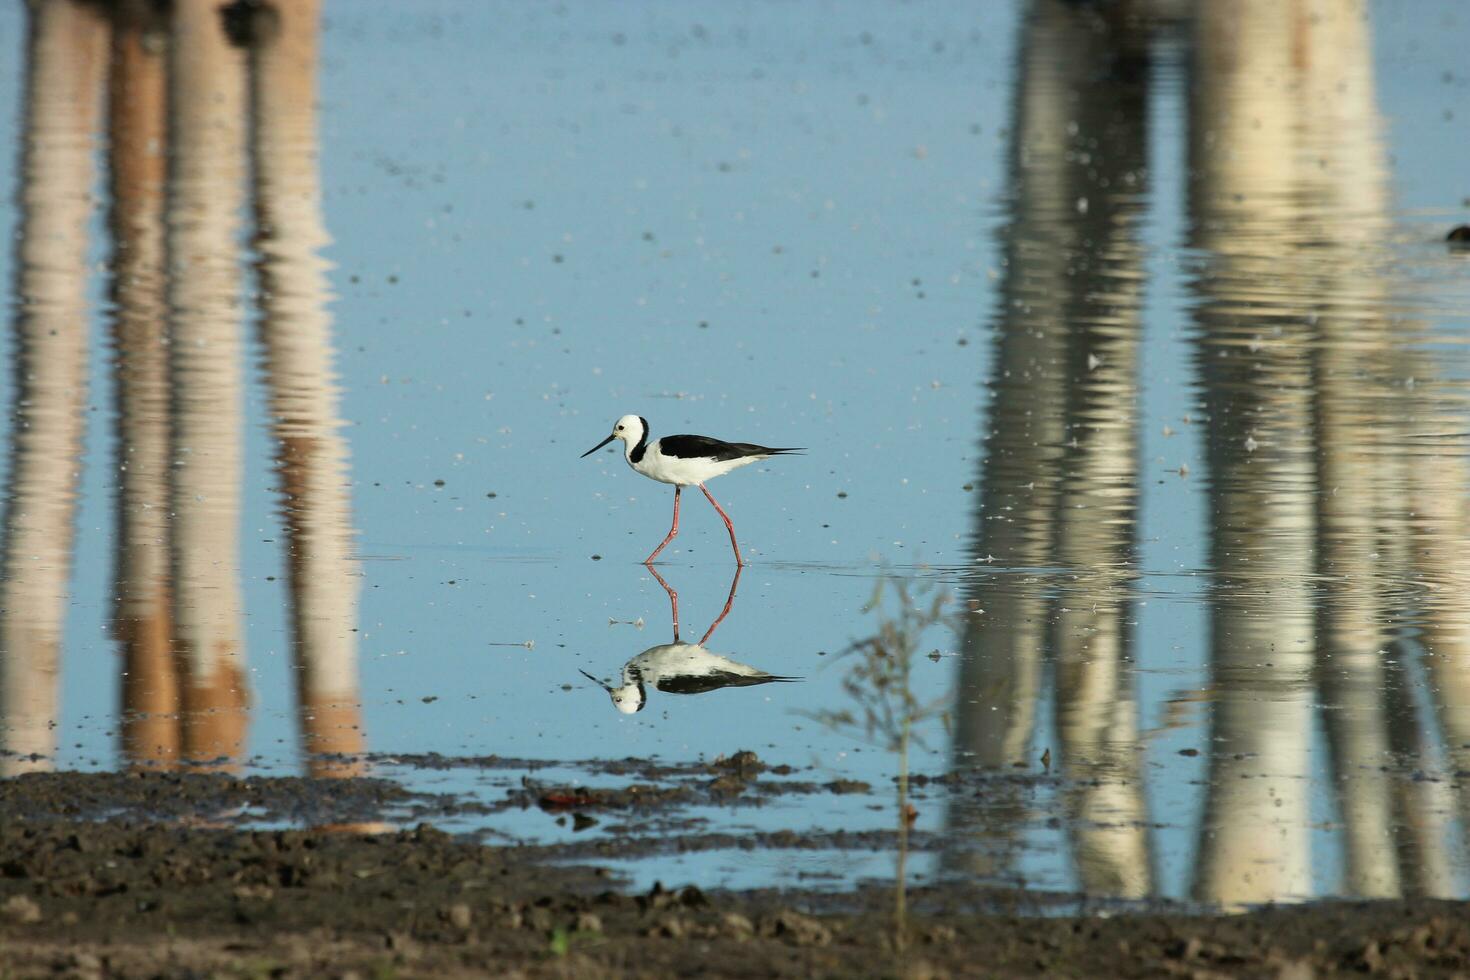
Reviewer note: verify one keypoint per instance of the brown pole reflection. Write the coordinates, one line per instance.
(206, 100)
(1059, 481)
(66, 51)
(143, 619)
(296, 327)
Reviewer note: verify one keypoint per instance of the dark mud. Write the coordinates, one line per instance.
(136, 896)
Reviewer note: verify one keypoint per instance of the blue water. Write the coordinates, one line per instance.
(802, 226)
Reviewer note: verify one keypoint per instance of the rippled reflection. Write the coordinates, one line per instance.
(296, 328)
(1316, 401)
(66, 61)
(190, 93)
(682, 668)
(1058, 488)
(138, 168)
(1336, 475)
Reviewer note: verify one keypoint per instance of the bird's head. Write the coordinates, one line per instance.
(628, 698)
(629, 428)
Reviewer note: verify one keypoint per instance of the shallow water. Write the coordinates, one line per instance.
(1138, 338)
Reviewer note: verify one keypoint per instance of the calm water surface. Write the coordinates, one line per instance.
(1129, 330)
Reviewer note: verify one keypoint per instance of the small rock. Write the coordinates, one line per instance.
(798, 929)
(736, 926)
(730, 785)
(459, 915)
(21, 909)
(1372, 957)
(262, 893)
(670, 927)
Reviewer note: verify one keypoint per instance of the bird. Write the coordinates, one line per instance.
(685, 461)
(679, 668)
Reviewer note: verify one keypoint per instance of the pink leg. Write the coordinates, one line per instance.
(723, 612)
(673, 601)
(673, 530)
(728, 526)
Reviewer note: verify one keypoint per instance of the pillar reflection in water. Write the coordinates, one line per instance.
(1314, 469)
(1058, 487)
(1256, 370)
(66, 55)
(206, 141)
(177, 151)
(143, 617)
(296, 329)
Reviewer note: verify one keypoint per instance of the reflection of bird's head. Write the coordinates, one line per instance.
(629, 698)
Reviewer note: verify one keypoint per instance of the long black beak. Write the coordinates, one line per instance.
(598, 446)
(589, 676)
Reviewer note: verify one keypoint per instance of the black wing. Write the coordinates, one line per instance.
(703, 447)
(713, 681)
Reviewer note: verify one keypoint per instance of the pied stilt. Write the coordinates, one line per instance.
(684, 461)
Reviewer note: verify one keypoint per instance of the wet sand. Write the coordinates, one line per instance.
(174, 895)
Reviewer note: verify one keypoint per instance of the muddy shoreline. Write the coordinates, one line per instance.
(171, 895)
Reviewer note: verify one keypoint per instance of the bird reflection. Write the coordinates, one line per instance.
(682, 668)
(193, 91)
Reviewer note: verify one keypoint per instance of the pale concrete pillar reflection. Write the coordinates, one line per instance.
(296, 326)
(1255, 370)
(66, 52)
(1059, 456)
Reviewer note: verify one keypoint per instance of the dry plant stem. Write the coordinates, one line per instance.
(900, 888)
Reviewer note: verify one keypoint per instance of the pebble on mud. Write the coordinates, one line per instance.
(797, 929)
(21, 909)
(736, 926)
(459, 915)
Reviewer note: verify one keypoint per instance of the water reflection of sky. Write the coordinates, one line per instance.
(786, 226)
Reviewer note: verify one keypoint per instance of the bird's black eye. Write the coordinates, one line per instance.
(620, 428)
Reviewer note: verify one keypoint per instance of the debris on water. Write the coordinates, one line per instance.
(1459, 237)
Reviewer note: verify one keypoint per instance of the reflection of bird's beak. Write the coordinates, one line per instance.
(589, 676)
(599, 446)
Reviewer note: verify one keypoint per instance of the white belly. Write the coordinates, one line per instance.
(685, 472)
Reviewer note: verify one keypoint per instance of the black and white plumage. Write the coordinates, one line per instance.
(685, 460)
(679, 668)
